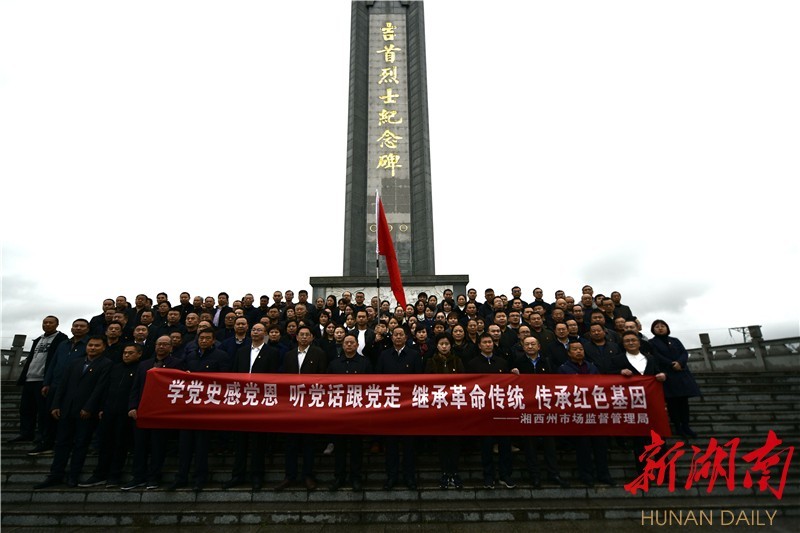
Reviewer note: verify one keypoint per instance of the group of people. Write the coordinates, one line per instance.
(83, 391)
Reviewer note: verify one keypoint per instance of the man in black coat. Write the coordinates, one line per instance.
(116, 427)
(634, 362)
(535, 362)
(75, 406)
(149, 442)
(306, 358)
(196, 442)
(591, 452)
(400, 359)
(489, 363)
(33, 404)
(254, 357)
(350, 363)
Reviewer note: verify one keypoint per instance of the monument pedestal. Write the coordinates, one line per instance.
(412, 285)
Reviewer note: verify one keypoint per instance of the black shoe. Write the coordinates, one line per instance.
(135, 484)
(507, 483)
(93, 481)
(285, 484)
(112, 483)
(411, 484)
(198, 487)
(535, 483)
(233, 482)
(257, 484)
(456, 481)
(558, 481)
(488, 484)
(41, 450)
(444, 481)
(72, 483)
(47, 483)
(608, 481)
(390, 483)
(357, 486)
(336, 485)
(686, 430)
(588, 482)
(176, 485)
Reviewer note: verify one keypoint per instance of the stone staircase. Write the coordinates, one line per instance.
(744, 405)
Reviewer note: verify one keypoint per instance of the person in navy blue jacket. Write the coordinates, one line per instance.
(206, 358)
(76, 405)
(591, 452)
(680, 384)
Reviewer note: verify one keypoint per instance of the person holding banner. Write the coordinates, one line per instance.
(587, 448)
(635, 363)
(535, 362)
(445, 361)
(489, 363)
(196, 442)
(150, 442)
(400, 359)
(680, 385)
(305, 358)
(349, 363)
(255, 357)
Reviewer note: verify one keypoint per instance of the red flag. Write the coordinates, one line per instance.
(386, 249)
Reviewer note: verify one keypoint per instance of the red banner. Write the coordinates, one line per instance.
(405, 404)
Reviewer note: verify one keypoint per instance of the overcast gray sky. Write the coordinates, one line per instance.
(644, 147)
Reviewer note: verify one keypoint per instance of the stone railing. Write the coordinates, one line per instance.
(758, 354)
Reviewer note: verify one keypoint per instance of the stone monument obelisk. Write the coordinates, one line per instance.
(388, 149)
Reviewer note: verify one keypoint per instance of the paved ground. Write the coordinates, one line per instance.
(784, 525)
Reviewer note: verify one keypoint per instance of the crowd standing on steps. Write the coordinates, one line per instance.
(82, 392)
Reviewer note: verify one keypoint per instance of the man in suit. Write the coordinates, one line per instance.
(400, 359)
(534, 361)
(634, 362)
(304, 359)
(254, 357)
(196, 443)
(221, 310)
(75, 406)
(350, 363)
(66, 352)
(489, 363)
(365, 336)
(591, 452)
(149, 442)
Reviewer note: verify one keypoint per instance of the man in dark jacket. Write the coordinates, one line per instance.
(350, 363)
(196, 443)
(33, 404)
(591, 452)
(116, 427)
(76, 406)
(400, 359)
(535, 362)
(150, 442)
(304, 359)
(254, 356)
(489, 363)
(66, 352)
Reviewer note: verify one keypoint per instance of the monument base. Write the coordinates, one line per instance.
(412, 285)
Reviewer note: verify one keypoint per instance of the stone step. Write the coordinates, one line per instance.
(373, 507)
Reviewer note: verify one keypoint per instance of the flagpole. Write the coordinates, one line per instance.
(377, 252)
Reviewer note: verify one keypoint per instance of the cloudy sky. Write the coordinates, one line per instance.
(644, 147)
